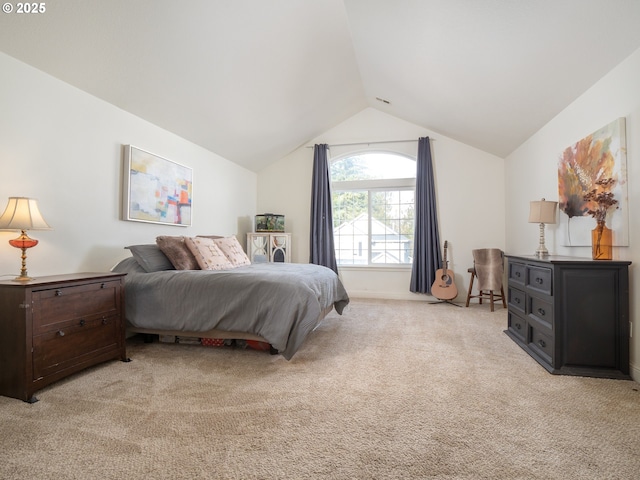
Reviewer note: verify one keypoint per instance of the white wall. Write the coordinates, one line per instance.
(64, 147)
(531, 173)
(469, 185)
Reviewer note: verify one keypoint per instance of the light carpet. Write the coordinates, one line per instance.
(389, 390)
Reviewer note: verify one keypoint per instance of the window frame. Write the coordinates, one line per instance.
(371, 186)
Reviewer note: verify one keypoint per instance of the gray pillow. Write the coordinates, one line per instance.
(128, 265)
(151, 258)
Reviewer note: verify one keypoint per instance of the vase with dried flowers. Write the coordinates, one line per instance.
(601, 236)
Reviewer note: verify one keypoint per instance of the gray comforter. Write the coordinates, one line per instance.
(281, 302)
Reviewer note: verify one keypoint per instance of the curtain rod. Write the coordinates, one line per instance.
(366, 143)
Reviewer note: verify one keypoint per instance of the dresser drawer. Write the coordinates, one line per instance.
(539, 279)
(517, 300)
(56, 350)
(517, 273)
(541, 342)
(542, 311)
(517, 326)
(54, 308)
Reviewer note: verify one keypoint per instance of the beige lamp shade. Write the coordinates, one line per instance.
(22, 213)
(542, 211)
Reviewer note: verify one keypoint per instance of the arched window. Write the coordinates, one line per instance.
(373, 208)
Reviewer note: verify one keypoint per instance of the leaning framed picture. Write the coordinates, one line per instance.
(155, 190)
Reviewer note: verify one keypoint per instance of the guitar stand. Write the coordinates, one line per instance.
(445, 301)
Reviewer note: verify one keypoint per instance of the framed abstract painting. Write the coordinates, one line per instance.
(591, 169)
(155, 190)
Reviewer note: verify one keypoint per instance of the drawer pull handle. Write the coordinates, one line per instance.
(82, 322)
(518, 274)
(104, 321)
(541, 312)
(539, 281)
(102, 285)
(542, 343)
(61, 333)
(518, 326)
(58, 293)
(517, 300)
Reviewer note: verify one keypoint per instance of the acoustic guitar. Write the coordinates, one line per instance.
(444, 288)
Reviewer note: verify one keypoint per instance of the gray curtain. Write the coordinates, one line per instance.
(426, 247)
(321, 243)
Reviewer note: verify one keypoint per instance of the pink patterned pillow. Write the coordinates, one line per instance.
(233, 250)
(207, 253)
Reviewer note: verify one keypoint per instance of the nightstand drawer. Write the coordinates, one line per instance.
(56, 350)
(57, 307)
(539, 278)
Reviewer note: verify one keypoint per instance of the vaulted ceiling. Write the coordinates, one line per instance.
(252, 80)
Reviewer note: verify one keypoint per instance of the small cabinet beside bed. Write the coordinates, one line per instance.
(269, 247)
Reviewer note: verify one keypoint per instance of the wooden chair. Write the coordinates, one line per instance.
(488, 268)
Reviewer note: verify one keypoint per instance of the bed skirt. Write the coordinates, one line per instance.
(215, 333)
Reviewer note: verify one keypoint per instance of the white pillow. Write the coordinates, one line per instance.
(207, 253)
(233, 250)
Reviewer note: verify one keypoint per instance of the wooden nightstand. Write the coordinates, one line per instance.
(51, 327)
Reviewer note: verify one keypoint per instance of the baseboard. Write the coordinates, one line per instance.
(634, 371)
(416, 297)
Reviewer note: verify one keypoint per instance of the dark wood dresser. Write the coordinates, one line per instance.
(570, 314)
(51, 327)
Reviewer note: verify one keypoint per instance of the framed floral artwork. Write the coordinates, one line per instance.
(155, 190)
(592, 186)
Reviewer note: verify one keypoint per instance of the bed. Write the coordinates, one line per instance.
(276, 303)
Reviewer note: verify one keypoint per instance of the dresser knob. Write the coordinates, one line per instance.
(541, 312)
(104, 321)
(518, 274)
(517, 300)
(518, 326)
(82, 322)
(61, 333)
(102, 285)
(58, 293)
(539, 281)
(542, 343)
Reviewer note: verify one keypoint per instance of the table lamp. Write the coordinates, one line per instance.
(542, 212)
(23, 214)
